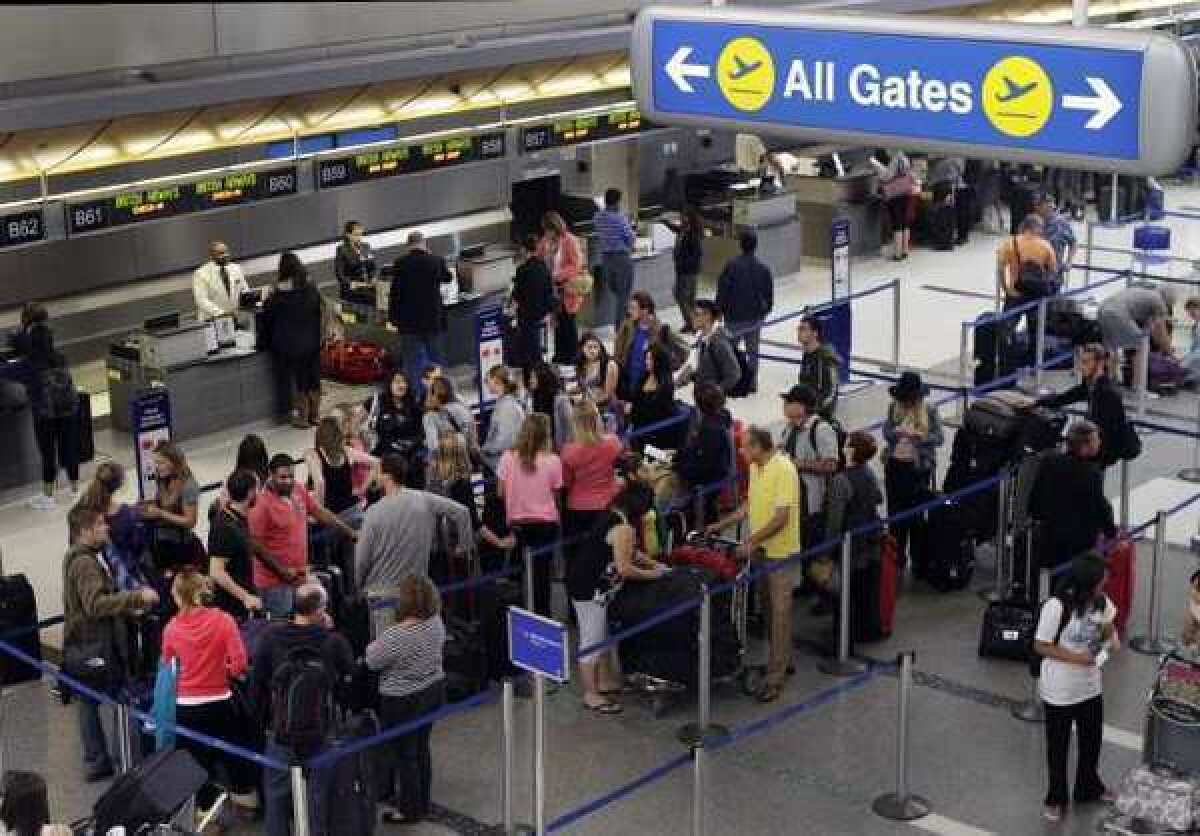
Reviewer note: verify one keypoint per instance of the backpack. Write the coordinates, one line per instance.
(741, 389)
(302, 701)
(839, 431)
(1032, 279)
(1035, 658)
(60, 399)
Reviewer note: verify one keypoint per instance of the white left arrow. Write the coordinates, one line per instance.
(1104, 105)
(679, 70)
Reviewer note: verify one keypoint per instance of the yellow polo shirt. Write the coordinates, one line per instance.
(774, 485)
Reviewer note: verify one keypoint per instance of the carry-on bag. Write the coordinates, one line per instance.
(150, 794)
(353, 361)
(18, 627)
(1007, 630)
(1161, 798)
(949, 562)
(1122, 574)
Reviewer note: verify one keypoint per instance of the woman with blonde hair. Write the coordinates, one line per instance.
(913, 433)
(528, 480)
(207, 647)
(564, 257)
(173, 510)
(589, 470)
(449, 472)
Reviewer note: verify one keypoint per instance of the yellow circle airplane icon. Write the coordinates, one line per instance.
(1017, 96)
(746, 74)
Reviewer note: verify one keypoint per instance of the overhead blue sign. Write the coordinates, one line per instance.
(943, 84)
(538, 645)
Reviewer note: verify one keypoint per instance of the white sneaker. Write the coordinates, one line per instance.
(41, 502)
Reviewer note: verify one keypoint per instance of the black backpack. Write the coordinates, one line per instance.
(741, 389)
(1032, 279)
(302, 697)
(60, 399)
(838, 430)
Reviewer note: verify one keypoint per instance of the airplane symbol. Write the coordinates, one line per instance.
(743, 69)
(1015, 91)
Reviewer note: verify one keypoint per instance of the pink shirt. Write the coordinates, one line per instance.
(590, 475)
(281, 525)
(529, 495)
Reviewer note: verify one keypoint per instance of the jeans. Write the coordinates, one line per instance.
(419, 351)
(278, 600)
(748, 333)
(412, 772)
(1088, 718)
(277, 788)
(779, 585)
(618, 277)
(91, 733)
(58, 443)
(685, 296)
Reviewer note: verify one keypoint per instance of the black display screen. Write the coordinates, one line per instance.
(390, 162)
(566, 132)
(180, 199)
(23, 227)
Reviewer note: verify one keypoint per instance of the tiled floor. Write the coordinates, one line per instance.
(817, 772)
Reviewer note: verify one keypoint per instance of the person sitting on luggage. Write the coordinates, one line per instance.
(1068, 501)
(706, 458)
(820, 366)
(205, 644)
(279, 522)
(913, 432)
(774, 536)
(172, 514)
(412, 684)
(853, 501)
(713, 359)
(1020, 260)
(1075, 636)
(399, 530)
(1141, 310)
(1105, 406)
(282, 650)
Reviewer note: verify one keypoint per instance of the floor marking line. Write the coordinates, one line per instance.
(935, 823)
(1120, 737)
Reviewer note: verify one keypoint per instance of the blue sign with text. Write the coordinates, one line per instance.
(1079, 100)
(150, 419)
(538, 645)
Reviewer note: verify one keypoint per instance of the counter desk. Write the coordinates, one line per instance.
(21, 463)
(821, 199)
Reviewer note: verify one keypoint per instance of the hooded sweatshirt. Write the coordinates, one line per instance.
(209, 649)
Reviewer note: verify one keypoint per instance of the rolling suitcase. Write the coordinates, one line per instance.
(18, 627)
(949, 562)
(1008, 628)
(151, 794)
(87, 437)
(1122, 574)
(943, 226)
(992, 348)
(888, 583)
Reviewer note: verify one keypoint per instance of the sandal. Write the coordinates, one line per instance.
(608, 708)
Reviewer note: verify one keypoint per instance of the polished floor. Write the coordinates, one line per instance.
(829, 749)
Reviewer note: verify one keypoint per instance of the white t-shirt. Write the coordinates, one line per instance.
(815, 484)
(1062, 683)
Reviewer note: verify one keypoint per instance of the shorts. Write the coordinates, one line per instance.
(897, 208)
(593, 626)
(1118, 330)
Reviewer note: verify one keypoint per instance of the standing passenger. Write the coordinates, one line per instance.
(913, 432)
(415, 305)
(292, 330)
(746, 296)
(688, 255)
(54, 406)
(533, 298)
(614, 242)
(564, 257)
(218, 284)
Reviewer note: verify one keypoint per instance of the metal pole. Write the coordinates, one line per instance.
(1091, 234)
(694, 734)
(1031, 710)
(1192, 474)
(1114, 202)
(1124, 494)
(896, 326)
(902, 805)
(698, 789)
(124, 738)
(299, 802)
(965, 378)
(508, 702)
(1000, 590)
(843, 665)
(1155, 644)
(527, 559)
(1039, 344)
(1141, 375)
(1079, 12)
(539, 756)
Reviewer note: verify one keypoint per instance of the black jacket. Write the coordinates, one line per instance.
(707, 457)
(745, 290)
(415, 304)
(350, 266)
(689, 253)
(647, 408)
(1105, 409)
(291, 323)
(278, 642)
(533, 291)
(1068, 501)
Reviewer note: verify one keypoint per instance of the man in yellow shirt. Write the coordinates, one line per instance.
(772, 508)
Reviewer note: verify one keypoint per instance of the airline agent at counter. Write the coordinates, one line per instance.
(217, 284)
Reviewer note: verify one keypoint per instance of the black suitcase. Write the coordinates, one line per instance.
(993, 348)
(87, 437)
(150, 794)
(356, 781)
(1008, 628)
(949, 559)
(466, 660)
(18, 627)
(943, 226)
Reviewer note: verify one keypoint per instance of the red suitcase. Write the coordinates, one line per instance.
(718, 560)
(1121, 574)
(353, 361)
(887, 584)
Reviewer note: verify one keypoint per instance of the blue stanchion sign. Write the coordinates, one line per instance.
(1035, 93)
(538, 645)
(151, 423)
(489, 341)
(839, 258)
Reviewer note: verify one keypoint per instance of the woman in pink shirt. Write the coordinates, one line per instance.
(589, 471)
(206, 645)
(529, 478)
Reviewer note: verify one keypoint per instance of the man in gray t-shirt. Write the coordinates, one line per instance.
(811, 443)
(1128, 315)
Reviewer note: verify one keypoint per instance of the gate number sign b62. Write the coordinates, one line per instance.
(1075, 97)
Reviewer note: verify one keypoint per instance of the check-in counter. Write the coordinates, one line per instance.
(20, 464)
(773, 218)
(821, 199)
(653, 272)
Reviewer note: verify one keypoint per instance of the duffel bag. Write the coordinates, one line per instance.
(716, 560)
(353, 361)
(998, 415)
(1162, 798)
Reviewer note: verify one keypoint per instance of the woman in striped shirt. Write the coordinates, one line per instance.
(408, 657)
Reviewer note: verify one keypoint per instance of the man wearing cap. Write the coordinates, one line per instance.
(913, 433)
(1057, 231)
(218, 284)
(415, 305)
(812, 444)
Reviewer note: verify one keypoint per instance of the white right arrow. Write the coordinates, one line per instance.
(679, 70)
(1104, 105)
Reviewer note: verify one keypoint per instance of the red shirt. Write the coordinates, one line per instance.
(590, 474)
(209, 649)
(280, 524)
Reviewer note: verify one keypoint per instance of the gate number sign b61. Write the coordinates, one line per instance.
(1075, 97)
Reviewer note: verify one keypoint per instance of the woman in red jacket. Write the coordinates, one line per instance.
(208, 648)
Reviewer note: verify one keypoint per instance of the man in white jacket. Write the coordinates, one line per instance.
(217, 284)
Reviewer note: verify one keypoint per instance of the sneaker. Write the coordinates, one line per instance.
(41, 502)
(1052, 813)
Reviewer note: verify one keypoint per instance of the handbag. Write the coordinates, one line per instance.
(163, 709)
(92, 663)
(1165, 799)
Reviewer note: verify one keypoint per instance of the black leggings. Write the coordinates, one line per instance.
(1088, 718)
(219, 720)
(58, 443)
(412, 769)
(537, 536)
(907, 488)
(566, 337)
(301, 374)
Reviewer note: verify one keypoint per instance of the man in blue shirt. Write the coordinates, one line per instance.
(746, 295)
(614, 243)
(1058, 232)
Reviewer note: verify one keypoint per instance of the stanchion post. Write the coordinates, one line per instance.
(843, 665)
(300, 824)
(1124, 494)
(1039, 345)
(965, 377)
(1154, 643)
(1000, 590)
(902, 805)
(1192, 474)
(527, 559)
(539, 754)
(698, 788)
(1091, 235)
(508, 761)
(124, 737)
(896, 326)
(1141, 375)
(694, 734)
(1031, 709)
